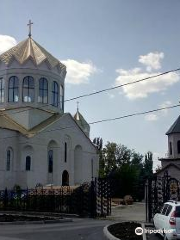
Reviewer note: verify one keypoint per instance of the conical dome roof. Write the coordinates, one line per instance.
(30, 49)
(82, 122)
(175, 128)
(80, 119)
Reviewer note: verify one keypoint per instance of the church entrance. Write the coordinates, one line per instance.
(65, 178)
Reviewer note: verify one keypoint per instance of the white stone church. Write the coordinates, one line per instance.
(39, 143)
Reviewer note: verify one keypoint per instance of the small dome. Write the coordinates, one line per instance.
(30, 49)
(82, 122)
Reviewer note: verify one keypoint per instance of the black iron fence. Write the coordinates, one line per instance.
(159, 190)
(83, 200)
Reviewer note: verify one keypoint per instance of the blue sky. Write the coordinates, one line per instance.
(105, 43)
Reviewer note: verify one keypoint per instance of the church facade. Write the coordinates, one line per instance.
(39, 143)
(172, 162)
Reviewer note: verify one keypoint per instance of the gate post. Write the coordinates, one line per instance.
(146, 199)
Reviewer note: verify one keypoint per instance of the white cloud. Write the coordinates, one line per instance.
(144, 88)
(151, 117)
(6, 42)
(165, 104)
(152, 60)
(79, 72)
(110, 95)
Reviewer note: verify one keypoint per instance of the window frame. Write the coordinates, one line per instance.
(164, 209)
(168, 210)
(170, 148)
(50, 161)
(178, 146)
(44, 90)
(61, 96)
(65, 152)
(8, 160)
(28, 163)
(2, 90)
(14, 88)
(55, 94)
(30, 89)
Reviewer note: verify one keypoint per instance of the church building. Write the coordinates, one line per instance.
(171, 163)
(39, 143)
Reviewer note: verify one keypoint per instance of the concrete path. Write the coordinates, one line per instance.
(135, 212)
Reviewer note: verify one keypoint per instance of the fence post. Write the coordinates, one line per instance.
(146, 199)
(92, 200)
(5, 199)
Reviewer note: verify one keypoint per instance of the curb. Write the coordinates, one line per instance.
(37, 222)
(109, 236)
(34, 213)
(143, 227)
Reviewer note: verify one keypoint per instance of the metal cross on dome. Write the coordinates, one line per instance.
(77, 106)
(29, 24)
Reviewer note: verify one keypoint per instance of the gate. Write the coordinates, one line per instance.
(159, 190)
(103, 197)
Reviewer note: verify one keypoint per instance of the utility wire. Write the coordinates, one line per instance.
(108, 119)
(118, 118)
(100, 91)
(135, 114)
(122, 85)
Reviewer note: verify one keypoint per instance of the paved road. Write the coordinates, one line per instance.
(154, 237)
(79, 229)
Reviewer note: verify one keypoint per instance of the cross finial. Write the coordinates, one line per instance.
(77, 106)
(29, 24)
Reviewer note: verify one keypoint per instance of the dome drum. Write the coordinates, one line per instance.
(42, 91)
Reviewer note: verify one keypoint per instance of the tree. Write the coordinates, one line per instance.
(148, 164)
(126, 168)
(98, 142)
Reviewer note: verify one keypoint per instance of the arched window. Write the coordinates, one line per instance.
(170, 148)
(55, 94)
(28, 163)
(1, 90)
(61, 97)
(13, 89)
(50, 161)
(65, 178)
(8, 160)
(178, 146)
(28, 89)
(43, 90)
(65, 152)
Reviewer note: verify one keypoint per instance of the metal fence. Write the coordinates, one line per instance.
(83, 200)
(158, 190)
